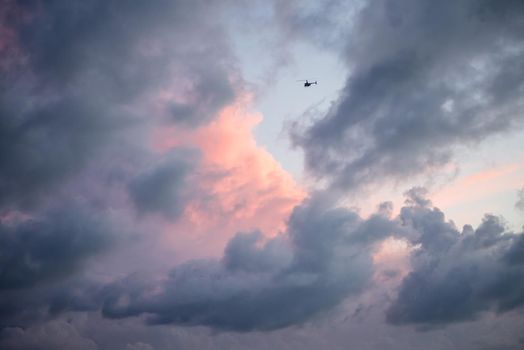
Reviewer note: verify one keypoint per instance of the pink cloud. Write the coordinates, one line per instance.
(391, 260)
(480, 185)
(239, 187)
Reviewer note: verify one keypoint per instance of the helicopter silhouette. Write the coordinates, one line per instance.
(307, 83)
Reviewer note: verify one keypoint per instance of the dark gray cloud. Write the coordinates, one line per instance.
(41, 260)
(42, 147)
(260, 285)
(46, 248)
(117, 46)
(425, 77)
(82, 86)
(76, 76)
(458, 275)
(28, 307)
(53, 335)
(324, 258)
(164, 189)
(515, 254)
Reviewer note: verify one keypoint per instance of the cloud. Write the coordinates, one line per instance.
(515, 254)
(53, 335)
(80, 77)
(520, 202)
(163, 189)
(259, 285)
(42, 147)
(425, 77)
(236, 186)
(86, 85)
(139, 346)
(209, 93)
(325, 257)
(458, 275)
(42, 260)
(50, 247)
(322, 23)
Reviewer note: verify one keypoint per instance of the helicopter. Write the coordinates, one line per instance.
(307, 83)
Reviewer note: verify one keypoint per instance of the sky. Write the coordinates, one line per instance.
(167, 182)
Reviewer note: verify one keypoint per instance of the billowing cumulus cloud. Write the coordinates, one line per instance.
(259, 285)
(325, 257)
(458, 275)
(425, 77)
(237, 185)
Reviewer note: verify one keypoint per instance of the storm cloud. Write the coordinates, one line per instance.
(258, 285)
(265, 284)
(324, 258)
(47, 248)
(83, 85)
(79, 80)
(425, 78)
(41, 259)
(458, 275)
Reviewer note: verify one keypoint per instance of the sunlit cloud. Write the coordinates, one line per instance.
(239, 186)
(479, 185)
(139, 210)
